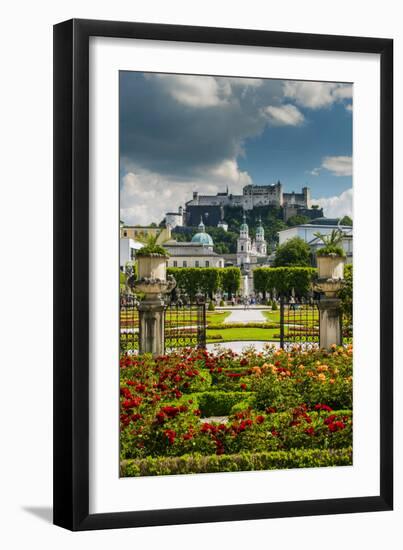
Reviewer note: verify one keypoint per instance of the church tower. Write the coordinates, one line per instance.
(261, 246)
(244, 244)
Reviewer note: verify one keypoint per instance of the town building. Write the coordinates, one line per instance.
(199, 252)
(175, 219)
(324, 226)
(127, 251)
(141, 233)
(250, 251)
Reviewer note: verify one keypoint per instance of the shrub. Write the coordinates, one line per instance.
(199, 383)
(192, 464)
(211, 306)
(245, 404)
(274, 305)
(313, 377)
(219, 403)
(222, 303)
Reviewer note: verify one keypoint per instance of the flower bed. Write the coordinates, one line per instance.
(273, 401)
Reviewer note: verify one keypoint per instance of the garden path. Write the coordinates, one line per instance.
(245, 316)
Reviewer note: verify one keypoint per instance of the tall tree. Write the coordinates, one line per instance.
(294, 252)
(346, 220)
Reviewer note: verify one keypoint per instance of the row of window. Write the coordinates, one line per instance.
(197, 263)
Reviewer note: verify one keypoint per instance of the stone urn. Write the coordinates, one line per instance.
(330, 274)
(329, 282)
(153, 282)
(330, 266)
(152, 266)
(152, 279)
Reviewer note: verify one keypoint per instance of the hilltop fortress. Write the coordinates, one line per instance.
(211, 207)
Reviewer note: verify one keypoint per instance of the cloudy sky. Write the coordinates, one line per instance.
(180, 133)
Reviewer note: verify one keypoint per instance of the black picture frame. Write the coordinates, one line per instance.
(71, 274)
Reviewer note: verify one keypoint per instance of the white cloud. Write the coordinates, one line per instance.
(337, 206)
(195, 91)
(316, 95)
(249, 82)
(338, 166)
(284, 115)
(145, 196)
(314, 172)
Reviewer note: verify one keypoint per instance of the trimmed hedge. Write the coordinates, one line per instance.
(206, 280)
(283, 279)
(274, 460)
(219, 403)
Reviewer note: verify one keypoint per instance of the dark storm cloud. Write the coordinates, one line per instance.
(178, 126)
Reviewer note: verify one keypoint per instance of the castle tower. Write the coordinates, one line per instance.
(307, 196)
(261, 246)
(244, 245)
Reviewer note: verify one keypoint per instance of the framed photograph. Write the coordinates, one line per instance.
(223, 303)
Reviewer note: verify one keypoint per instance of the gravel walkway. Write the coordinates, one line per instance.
(245, 316)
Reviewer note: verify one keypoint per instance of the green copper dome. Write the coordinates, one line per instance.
(202, 237)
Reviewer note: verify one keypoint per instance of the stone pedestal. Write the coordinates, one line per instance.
(152, 326)
(331, 273)
(330, 322)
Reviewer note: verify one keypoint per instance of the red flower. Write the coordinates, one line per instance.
(330, 419)
(171, 412)
(197, 412)
(321, 407)
(160, 417)
(126, 393)
(259, 419)
(336, 426)
(310, 431)
(170, 435)
(130, 403)
(271, 410)
(243, 386)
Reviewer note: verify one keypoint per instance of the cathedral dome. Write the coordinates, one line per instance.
(202, 237)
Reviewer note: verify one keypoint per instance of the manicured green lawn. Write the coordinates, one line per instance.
(216, 317)
(309, 317)
(234, 334)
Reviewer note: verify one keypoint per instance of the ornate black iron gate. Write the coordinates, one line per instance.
(129, 324)
(185, 325)
(299, 323)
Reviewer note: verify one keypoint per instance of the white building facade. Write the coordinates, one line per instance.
(306, 232)
(127, 251)
(197, 253)
(249, 251)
